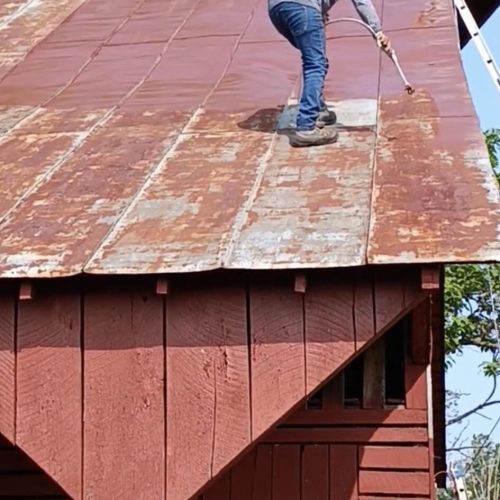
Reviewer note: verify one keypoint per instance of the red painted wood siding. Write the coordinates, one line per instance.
(338, 461)
(21, 478)
(182, 383)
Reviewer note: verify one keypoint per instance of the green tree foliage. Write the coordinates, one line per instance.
(472, 296)
(471, 301)
(492, 138)
(482, 469)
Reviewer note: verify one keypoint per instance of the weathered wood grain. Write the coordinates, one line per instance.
(389, 297)
(49, 385)
(286, 472)
(374, 376)
(329, 328)
(393, 483)
(124, 395)
(343, 472)
(277, 354)
(208, 393)
(315, 473)
(396, 457)
(364, 314)
(7, 366)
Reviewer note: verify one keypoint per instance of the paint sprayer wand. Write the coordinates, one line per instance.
(391, 53)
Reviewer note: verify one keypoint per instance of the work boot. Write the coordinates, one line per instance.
(325, 118)
(315, 137)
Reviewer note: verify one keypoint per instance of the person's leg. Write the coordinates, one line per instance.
(303, 27)
(312, 46)
(279, 17)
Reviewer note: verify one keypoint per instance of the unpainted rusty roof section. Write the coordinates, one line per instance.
(145, 136)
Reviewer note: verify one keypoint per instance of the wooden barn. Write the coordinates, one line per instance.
(189, 308)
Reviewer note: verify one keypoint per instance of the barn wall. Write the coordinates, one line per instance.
(331, 451)
(95, 371)
(20, 477)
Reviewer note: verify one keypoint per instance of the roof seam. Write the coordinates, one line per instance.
(242, 215)
(133, 201)
(18, 12)
(172, 149)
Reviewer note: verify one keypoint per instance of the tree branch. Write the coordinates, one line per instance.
(482, 343)
(474, 410)
(487, 402)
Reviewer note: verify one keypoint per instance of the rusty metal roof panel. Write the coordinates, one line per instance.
(146, 137)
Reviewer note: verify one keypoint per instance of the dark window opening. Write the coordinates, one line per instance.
(391, 373)
(395, 343)
(353, 383)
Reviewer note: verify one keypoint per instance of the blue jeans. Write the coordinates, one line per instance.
(304, 28)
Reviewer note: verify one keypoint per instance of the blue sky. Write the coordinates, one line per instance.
(484, 94)
(466, 376)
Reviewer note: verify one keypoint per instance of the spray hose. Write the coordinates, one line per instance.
(391, 53)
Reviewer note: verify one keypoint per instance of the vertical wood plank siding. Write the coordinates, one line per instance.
(49, 385)
(123, 395)
(7, 366)
(277, 353)
(208, 386)
(175, 388)
(330, 336)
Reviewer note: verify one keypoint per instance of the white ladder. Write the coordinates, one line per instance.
(479, 41)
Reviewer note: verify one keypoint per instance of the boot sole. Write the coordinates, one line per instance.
(301, 143)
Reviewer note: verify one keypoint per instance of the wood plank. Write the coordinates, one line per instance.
(7, 366)
(14, 460)
(208, 393)
(329, 328)
(431, 277)
(386, 497)
(286, 472)
(358, 417)
(416, 387)
(389, 297)
(393, 483)
(220, 490)
(124, 395)
(333, 394)
(413, 286)
(349, 435)
(374, 376)
(263, 484)
(421, 333)
(364, 314)
(395, 457)
(243, 477)
(343, 472)
(32, 485)
(278, 358)
(315, 472)
(49, 385)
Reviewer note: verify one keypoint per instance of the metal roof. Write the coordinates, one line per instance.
(141, 136)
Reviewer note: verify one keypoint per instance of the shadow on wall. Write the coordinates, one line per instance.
(20, 477)
(220, 308)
